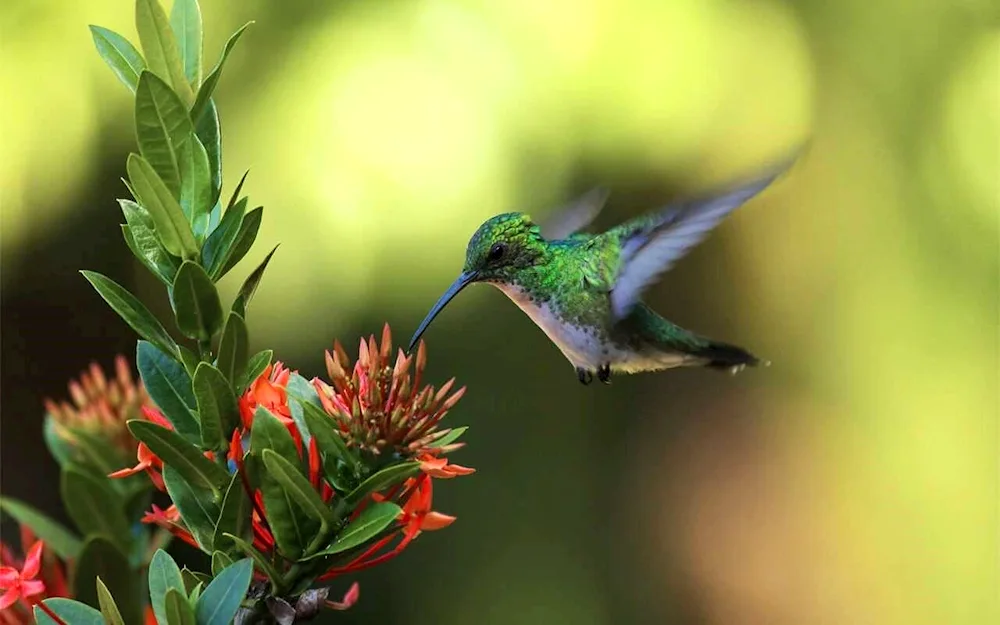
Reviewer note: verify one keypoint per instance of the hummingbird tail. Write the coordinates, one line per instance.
(727, 357)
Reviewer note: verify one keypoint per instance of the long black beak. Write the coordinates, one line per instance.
(463, 281)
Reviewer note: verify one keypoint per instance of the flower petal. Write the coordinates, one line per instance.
(8, 576)
(32, 587)
(33, 561)
(350, 598)
(436, 521)
(9, 598)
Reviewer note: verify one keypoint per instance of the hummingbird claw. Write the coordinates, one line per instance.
(585, 376)
(604, 374)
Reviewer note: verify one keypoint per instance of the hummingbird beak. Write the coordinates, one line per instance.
(463, 281)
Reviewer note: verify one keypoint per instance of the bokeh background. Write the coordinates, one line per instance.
(853, 481)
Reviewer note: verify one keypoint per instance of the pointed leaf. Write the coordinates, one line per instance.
(197, 196)
(169, 386)
(221, 599)
(196, 505)
(59, 539)
(250, 285)
(160, 47)
(178, 610)
(220, 560)
(292, 525)
(196, 302)
(210, 134)
(301, 391)
(189, 359)
(109, 609)
(298, 487)
(131, 310)
(184, 457)
(216, 406)
(164, 574)
(68, 611)
(171, 225)
(163, 128)
(324, 429)
(244, 239)
(102, 564)
(369, 524)
(449, 438)
(267, 432)
(147, 248)
(221, 240)
(120, 55)
(255, 367)
(234, 518)
(233, 347)
(208, 87)
(259, 559)
(94, 508)
(382, 480)
(185, 21)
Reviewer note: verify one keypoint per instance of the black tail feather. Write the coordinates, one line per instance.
(726, 357)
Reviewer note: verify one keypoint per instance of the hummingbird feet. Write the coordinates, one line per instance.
(585, 376)
(604, 374)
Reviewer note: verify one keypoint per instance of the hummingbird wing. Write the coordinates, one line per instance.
(650, 245)
(575, 216)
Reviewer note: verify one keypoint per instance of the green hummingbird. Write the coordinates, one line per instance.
(583, 290)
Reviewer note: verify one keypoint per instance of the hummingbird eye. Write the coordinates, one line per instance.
(497, 251)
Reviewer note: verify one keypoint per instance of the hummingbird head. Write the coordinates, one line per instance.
(501, 247)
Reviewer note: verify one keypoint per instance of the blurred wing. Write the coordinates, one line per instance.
(651, 245)
(575, 216)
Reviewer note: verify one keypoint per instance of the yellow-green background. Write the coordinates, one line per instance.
(853, 481)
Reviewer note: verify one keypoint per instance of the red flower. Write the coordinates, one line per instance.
(269, 391)
(170, 520)
(22, 584)
(148, 461)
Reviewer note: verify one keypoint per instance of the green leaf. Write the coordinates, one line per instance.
(163, 128)
(295, 484)
(291, 525)
(196, 302)
(259, 559)
(244, 239)
(220, 561)
(109, 609)
(369, 524)
(195, 594)
(184, 457)
(449, 438)
(164, 574)
(60, 449)
(327, 434)
(216, 406)
(250, 285)
(129, 308)
(197, 196)
(257, 364)
(205, 93)
(59, 539)
(233, 347)
(169, 386)
(185, 21)
(210, 134)
(68, 611)
(171, 225)
(189, 359)
(178, 610)
(234, 518)
(196, 505)
(146, 247)
(267, 432)
(94, 508)
(302, 391)
(160, 47)
(385, 478)
(221, 599)
(120, 55)
(218, 244)
(102, 565)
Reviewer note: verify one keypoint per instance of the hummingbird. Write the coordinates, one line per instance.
(584, 290)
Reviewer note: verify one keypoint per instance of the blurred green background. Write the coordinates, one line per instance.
(853, 481)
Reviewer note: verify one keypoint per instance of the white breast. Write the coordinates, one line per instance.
(580, 345)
